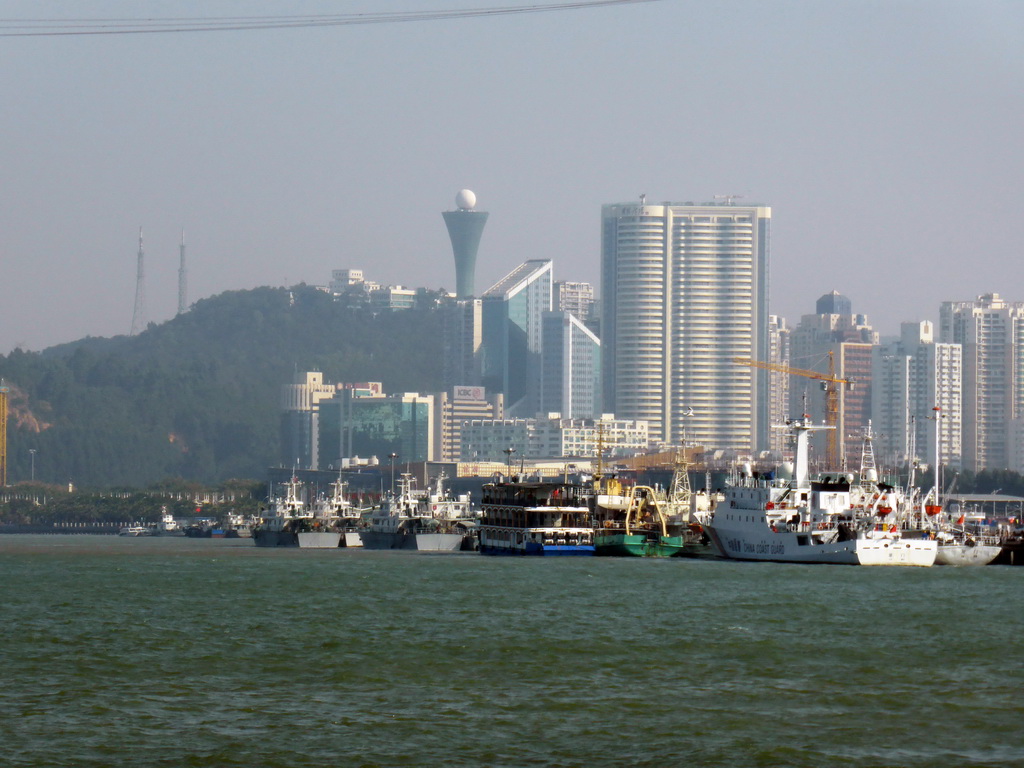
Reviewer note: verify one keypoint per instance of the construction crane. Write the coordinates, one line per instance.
(3, 435)
(832, 386)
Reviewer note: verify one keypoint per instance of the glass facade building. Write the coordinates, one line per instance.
(512, 316)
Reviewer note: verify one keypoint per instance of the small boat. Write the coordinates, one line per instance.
(536, 518)
(167, 525)
(135, 530)
(958, 546)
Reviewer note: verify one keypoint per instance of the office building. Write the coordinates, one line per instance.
(462, 331)
(911, 378)
(300, 406)
(990, 332)
(570, 367)
(362, 422)
(512, 314)
(456, 406)
(515, 440)
(684, 291)
(465, 227)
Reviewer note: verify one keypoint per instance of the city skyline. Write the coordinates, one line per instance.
(881, 136)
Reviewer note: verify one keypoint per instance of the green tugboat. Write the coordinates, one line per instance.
(631, 524)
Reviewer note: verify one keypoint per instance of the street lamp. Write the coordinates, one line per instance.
(508, 459)
(392, 456)
(32, 454)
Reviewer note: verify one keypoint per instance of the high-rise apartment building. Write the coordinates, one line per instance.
(834, 341)
(684, 290)
(577, 298)
(991, 333)
(570, 367)
(512, 313)
(915, 382)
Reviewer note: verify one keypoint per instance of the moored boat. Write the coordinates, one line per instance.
(536, 518)
(631, 523)
(788, 518)
(405, 520)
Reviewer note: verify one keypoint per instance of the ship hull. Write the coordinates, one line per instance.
(533, 549)
(319, 539)
(963, 554)
(637, 545)
(737, 543)
(417, 542)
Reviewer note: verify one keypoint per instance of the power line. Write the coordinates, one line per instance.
(125, 26)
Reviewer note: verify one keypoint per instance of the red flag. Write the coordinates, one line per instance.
(960, 521)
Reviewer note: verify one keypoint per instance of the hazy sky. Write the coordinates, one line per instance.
(886, 137)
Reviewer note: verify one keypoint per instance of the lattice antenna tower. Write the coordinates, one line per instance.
(139, 315)
(182, 278)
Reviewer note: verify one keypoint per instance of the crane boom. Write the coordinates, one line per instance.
(832, 395)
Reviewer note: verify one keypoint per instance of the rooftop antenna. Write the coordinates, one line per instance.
(139, 315)
(643, 199)
(182, 278)
(728, 198)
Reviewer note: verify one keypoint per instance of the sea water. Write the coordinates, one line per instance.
(186, 652)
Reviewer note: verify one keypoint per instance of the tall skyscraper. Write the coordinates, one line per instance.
(465, 226)
(512, 313)
(684, 290)
(910, 379)
(991, 333)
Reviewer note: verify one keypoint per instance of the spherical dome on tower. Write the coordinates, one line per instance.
(466, 199)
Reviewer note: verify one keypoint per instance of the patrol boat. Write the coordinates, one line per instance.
(790, 519)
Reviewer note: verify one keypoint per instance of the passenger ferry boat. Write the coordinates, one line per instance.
(791, 519)
(535, 518)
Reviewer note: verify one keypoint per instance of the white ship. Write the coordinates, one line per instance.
(411, 520)
(168, 526)
(335, 518)
(790, 519)
(283, 520)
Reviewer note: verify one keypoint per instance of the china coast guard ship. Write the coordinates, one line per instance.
(791, 519)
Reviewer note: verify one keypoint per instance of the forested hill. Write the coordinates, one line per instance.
(198, 396)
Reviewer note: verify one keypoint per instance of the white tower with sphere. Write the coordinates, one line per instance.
(465, 226)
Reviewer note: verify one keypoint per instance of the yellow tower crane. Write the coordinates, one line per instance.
(833, 392)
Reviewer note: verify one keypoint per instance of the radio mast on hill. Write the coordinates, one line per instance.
(182, 279)
(139, 315)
